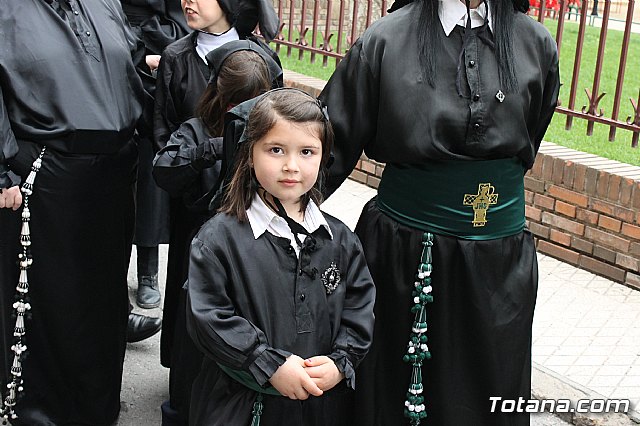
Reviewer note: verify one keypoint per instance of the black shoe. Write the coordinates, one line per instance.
(141, 327)
(148, 292)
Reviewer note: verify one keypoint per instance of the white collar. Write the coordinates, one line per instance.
(454, 12)
(206, 42)
(262, 219)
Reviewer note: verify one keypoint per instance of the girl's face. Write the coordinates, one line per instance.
(287, 161)
(205, 15)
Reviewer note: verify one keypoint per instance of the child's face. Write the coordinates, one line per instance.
(205, 15)
(287, 161)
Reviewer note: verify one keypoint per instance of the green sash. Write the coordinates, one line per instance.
(474, 200)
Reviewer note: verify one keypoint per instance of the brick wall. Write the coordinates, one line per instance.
(583, 209)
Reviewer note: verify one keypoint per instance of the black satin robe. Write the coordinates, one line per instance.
(249, 307)
(484, 291)
(80, 96)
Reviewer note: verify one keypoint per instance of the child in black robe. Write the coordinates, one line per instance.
(280, 299)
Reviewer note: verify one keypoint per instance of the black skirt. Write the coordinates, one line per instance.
(82, 217)
(479, 325)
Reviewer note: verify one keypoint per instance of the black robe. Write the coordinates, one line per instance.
(80, 96)
(157, 23)
(484, 291)
(248, 308)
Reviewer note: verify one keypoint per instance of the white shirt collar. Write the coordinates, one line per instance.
(262, 219)
(454, 12)
(208, 42)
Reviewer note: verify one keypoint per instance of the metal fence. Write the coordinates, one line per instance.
(327, 28)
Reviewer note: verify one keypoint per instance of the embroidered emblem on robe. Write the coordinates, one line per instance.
(331, 278)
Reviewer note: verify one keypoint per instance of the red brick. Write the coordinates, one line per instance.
(635, 249)
(582, 245)
(624, 214)
(536, 170)
(627, 262)
(632, 280)
(569, 174)
(631, 231)
(373, 182)
(558, 170)
(614, 188)
(379, 170)
(587, 216)
(560, 237)
(533, 185)
(604, 254)
(358, 176)
(558, 252)
(607, 239)
(528, 196)
(635, 197)
(602, 188)
(543, 201)
(565, 209)
(562, 223)
(578, 180)
(591, 181)
(602, 268)
(532, 213)
(626, 188)
(603, 207)
(568, 195)
(369, 167)
(539, 230)
(547, 167)
(609, 223)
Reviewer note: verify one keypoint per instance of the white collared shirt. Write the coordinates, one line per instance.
(262, 219)
(454, 12)
(208, 42)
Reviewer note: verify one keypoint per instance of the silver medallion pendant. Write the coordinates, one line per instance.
(331, 278)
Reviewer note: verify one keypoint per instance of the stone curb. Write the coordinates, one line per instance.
(546, 384)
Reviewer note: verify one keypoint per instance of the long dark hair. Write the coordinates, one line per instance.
(243, 76)
(502, 11)
(288, 104)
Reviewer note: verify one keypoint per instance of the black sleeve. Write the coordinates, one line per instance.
(213, 324)
(356, 327)
(351, 96)
(178, 166)
(549, 96)
(8, 144)
(164, 113)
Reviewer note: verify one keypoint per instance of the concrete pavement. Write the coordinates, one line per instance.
(586, 339)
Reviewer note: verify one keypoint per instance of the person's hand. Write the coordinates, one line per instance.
(10, 198)
(291, 380)
(323, 372)
(153, 61)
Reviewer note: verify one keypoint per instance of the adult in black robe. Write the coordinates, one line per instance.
(483, 289)
(68, 84)
(249, 308)
(157, 23)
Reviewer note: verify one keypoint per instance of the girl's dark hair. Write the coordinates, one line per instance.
(243, 75)
(288, 104)
(503, 13)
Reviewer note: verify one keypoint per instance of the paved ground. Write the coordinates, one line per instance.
(586, 339)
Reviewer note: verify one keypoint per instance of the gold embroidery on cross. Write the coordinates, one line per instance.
(480, 203)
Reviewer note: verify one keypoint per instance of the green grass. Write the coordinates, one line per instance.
(575, 138)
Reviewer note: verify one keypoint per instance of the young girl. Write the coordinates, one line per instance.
(280, 299)
(187, 168)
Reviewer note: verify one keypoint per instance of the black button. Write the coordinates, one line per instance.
(75, 12)
(476, 126)
(302, 297)
(476, 97)
(88, 33)
(289, 249)
(472, 64)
